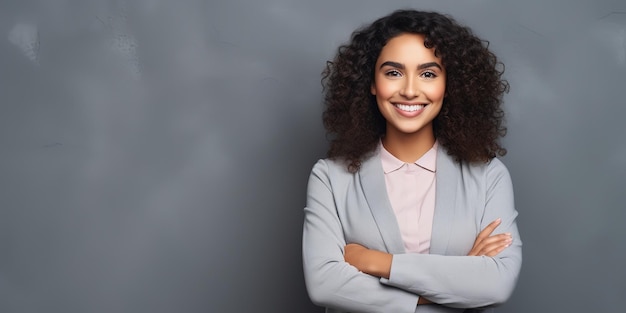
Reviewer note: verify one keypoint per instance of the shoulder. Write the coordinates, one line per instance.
(498, 174)
(489, 175)
(481, 175)
(330, 168)
(335, 170)
(327, 176)
(492, 167)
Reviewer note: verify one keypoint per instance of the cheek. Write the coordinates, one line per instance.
(383, 89)
(436, 92)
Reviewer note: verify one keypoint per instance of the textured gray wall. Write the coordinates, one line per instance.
(154, 154)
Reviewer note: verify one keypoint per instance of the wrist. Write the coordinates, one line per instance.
(380, 264)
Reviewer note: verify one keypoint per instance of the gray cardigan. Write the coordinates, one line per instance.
(344, 207)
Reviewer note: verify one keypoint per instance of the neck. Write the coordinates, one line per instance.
(408, 147)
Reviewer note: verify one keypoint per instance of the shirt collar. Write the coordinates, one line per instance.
(428, 161)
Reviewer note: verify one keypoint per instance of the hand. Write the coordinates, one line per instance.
(423, 300)
(488, 245)
(373, 262)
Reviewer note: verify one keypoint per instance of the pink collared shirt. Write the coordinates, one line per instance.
(411, 190)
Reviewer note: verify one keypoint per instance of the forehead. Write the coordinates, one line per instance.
(407, 48)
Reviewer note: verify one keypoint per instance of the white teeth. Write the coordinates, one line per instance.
(409, 108)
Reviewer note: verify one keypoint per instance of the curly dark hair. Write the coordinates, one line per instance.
(470, 122)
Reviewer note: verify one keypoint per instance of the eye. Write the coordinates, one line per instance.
(393, 73)
(429, 75)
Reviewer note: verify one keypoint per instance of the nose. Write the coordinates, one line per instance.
(410, 88)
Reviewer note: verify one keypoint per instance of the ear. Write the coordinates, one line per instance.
(373, 89)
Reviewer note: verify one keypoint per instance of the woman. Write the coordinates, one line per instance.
(412, 211)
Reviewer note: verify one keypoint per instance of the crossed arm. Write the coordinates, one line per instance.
(378, 263)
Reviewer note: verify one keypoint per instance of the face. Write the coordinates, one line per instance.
(409, 85)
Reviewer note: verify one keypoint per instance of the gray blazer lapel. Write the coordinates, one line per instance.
(447, 179)
(375, 191)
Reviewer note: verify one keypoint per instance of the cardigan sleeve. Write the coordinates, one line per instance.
(330, 281)
(468, 281)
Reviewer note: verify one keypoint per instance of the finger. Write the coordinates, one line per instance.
(489, 243)
(486, 232)
(494, 248)
(493, 239)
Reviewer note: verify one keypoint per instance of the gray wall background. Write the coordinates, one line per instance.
(154, 154)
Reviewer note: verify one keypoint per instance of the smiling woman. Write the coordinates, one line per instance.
(412, 211)
(409, 85)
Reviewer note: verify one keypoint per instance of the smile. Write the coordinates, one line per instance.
(409, 108)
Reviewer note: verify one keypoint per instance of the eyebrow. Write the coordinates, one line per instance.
(419, 67)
